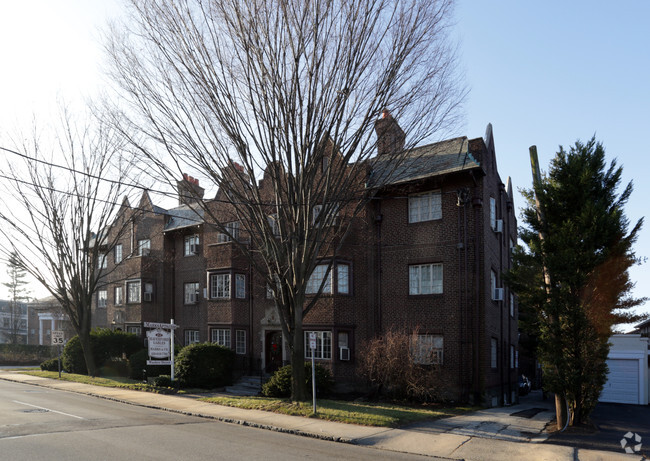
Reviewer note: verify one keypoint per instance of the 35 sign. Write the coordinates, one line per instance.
(57, 338)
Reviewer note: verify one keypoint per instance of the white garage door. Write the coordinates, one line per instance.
(622, 384)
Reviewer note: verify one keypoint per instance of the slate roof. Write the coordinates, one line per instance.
(183, 216)
(425, 161)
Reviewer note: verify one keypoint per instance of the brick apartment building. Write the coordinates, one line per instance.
(427, 255)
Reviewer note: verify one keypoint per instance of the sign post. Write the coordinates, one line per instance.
(160, 341)
(58, 339)
(312, 346)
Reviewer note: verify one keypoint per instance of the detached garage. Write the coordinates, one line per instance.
(627, 381)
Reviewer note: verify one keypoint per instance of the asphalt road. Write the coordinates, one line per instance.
(46, 424)
(611, 422)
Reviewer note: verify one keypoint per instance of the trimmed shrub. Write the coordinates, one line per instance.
(72, 357)
(163, 381)
(205, 365)
(25, 354)
(107, 345)
(280, 383)
(50, 365)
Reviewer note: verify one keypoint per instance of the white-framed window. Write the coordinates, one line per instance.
(240, 286)
(102, 298)
(134, 329)
(233, 230)
(191, 245)
(117, 251)
(191, 292)
(323, 345)
(119, 295)
(428, 350)
(425, 207)
(240, 342)
(494, 347)
(219, 286)
(343, 279)
(316, 279)
(333, 214)
(6, 322)
(191, 337)
(274, 224)
(493, 213)
(102, 261)
(425, 279)
(221, 336)
(493, 283)
(133, 291)
(148, 291)
(22, 324)
(144, 247)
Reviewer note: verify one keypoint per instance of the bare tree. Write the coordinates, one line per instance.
(57, 218)
(18, 297)
(286, 91)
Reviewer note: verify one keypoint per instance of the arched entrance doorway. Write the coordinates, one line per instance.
(273, 351)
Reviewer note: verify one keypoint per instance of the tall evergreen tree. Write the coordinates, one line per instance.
(18, 296)
(584, 246)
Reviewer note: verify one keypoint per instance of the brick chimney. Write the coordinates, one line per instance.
(390, 137)
(189, 190)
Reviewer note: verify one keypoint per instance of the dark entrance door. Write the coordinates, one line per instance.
(273, 350)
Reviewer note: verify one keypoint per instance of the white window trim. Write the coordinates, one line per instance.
(221, 336)
(425, 207)
(191, 337)
(435, 285)
(233, 229)
(139, 292)
(118, 253)
(240, 342)
(214, 289)
(323, 345)
(191, 245)
(191, 292)
(102, 298)
(428, 349)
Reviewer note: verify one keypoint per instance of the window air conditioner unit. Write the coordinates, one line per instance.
(148, 296)
(146, 251)
(344, 353)
(497, 295)
(194, 298)
(498, 226)
(194, 249)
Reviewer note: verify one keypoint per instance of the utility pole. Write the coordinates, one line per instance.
(560, 400)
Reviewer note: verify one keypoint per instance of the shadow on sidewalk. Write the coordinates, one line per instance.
(610, 423)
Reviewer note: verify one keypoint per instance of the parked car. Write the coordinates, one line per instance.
(524, 385)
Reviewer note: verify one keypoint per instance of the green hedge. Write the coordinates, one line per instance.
(280, 383)
(205, 365)
(25, 354)
(109, 350)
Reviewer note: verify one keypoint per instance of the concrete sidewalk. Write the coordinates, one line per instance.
(513, 432)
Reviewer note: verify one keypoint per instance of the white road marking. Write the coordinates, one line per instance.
(53, 411)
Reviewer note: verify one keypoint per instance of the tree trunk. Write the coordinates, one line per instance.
(298, 393)
(560, 411)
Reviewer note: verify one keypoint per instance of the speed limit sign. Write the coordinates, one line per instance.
(57, 337)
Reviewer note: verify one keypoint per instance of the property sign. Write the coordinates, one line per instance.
(58, 338)
(159, 342)
(312, 340)
(166, 326)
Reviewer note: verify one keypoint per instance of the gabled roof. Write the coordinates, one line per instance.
(425, 161)
(184, 216)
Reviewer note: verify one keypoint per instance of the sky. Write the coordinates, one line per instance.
(543, 73)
